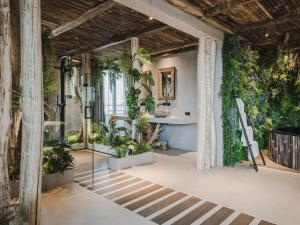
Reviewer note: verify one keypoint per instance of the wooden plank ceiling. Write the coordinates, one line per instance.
(115, 24)
(265, 23)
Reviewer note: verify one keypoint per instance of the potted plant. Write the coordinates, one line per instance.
(106, 138)
(57, 164)
(99, 138)
(74, 140)
(131, 154)
(135, 151)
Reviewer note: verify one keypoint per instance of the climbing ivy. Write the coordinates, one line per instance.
(269, 87)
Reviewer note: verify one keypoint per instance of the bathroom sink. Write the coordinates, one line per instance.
(161, 114)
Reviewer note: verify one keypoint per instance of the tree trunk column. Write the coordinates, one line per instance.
(206, 70)
(136, 65)
(32, 102)
(5, 103)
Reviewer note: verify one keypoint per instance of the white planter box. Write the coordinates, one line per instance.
(120, 163)
(49, 182)
(77, 146)
(144, 158)
(130, 161)
(102, 148)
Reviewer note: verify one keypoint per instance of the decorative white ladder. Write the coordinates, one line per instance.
(247, 135)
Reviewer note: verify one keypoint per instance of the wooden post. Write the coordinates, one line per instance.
(5, 104)
(14, 152)
(32, 103)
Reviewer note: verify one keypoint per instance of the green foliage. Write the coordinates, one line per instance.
(125, 63)
(73, 138)
(56, 159)
(132, 148)
(51, 140)
(105, 140)
(49, 59)
(142, 125)
(267, 87)
(137, 81)
(132, 100)
(143, 147)
(95, 138)
(143, 55)
(99, 134)
(121, 151)
(120, 140)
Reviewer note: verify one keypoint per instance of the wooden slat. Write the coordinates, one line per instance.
(192, 9)
(117, 186)
(242, 219)
(110, 182)
(137, 194)
(263, 222)
(109, 44)
(88, 173)
(126, 190)
(270, 22)
(218, 217)
(173, 48)
(100, 179)
(89, 177)
(149, 199)
(195, 214)
(162, 204)
(169, 214)
(223, 7)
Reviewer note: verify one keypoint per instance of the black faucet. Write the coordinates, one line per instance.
(166, 103)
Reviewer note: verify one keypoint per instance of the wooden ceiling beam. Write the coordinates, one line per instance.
(223, 7)
(173, 48)
(269, 22)
(278, 41)
(88, 15)
(197, 12)
(147, 31)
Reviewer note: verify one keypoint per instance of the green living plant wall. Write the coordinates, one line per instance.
(269, 87)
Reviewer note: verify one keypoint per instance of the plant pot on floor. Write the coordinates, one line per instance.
(130, 161)
(49, 182)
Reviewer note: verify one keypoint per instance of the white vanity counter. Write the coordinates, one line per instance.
(179, 131)
(172, 120)
(184, 120)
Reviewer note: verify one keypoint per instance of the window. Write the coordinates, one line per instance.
(114, 96)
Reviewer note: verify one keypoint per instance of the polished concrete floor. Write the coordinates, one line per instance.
(83, 160)
(270, 194)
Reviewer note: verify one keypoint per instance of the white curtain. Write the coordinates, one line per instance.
(206, 71)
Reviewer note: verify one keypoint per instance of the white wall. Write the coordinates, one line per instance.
(179, 136)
